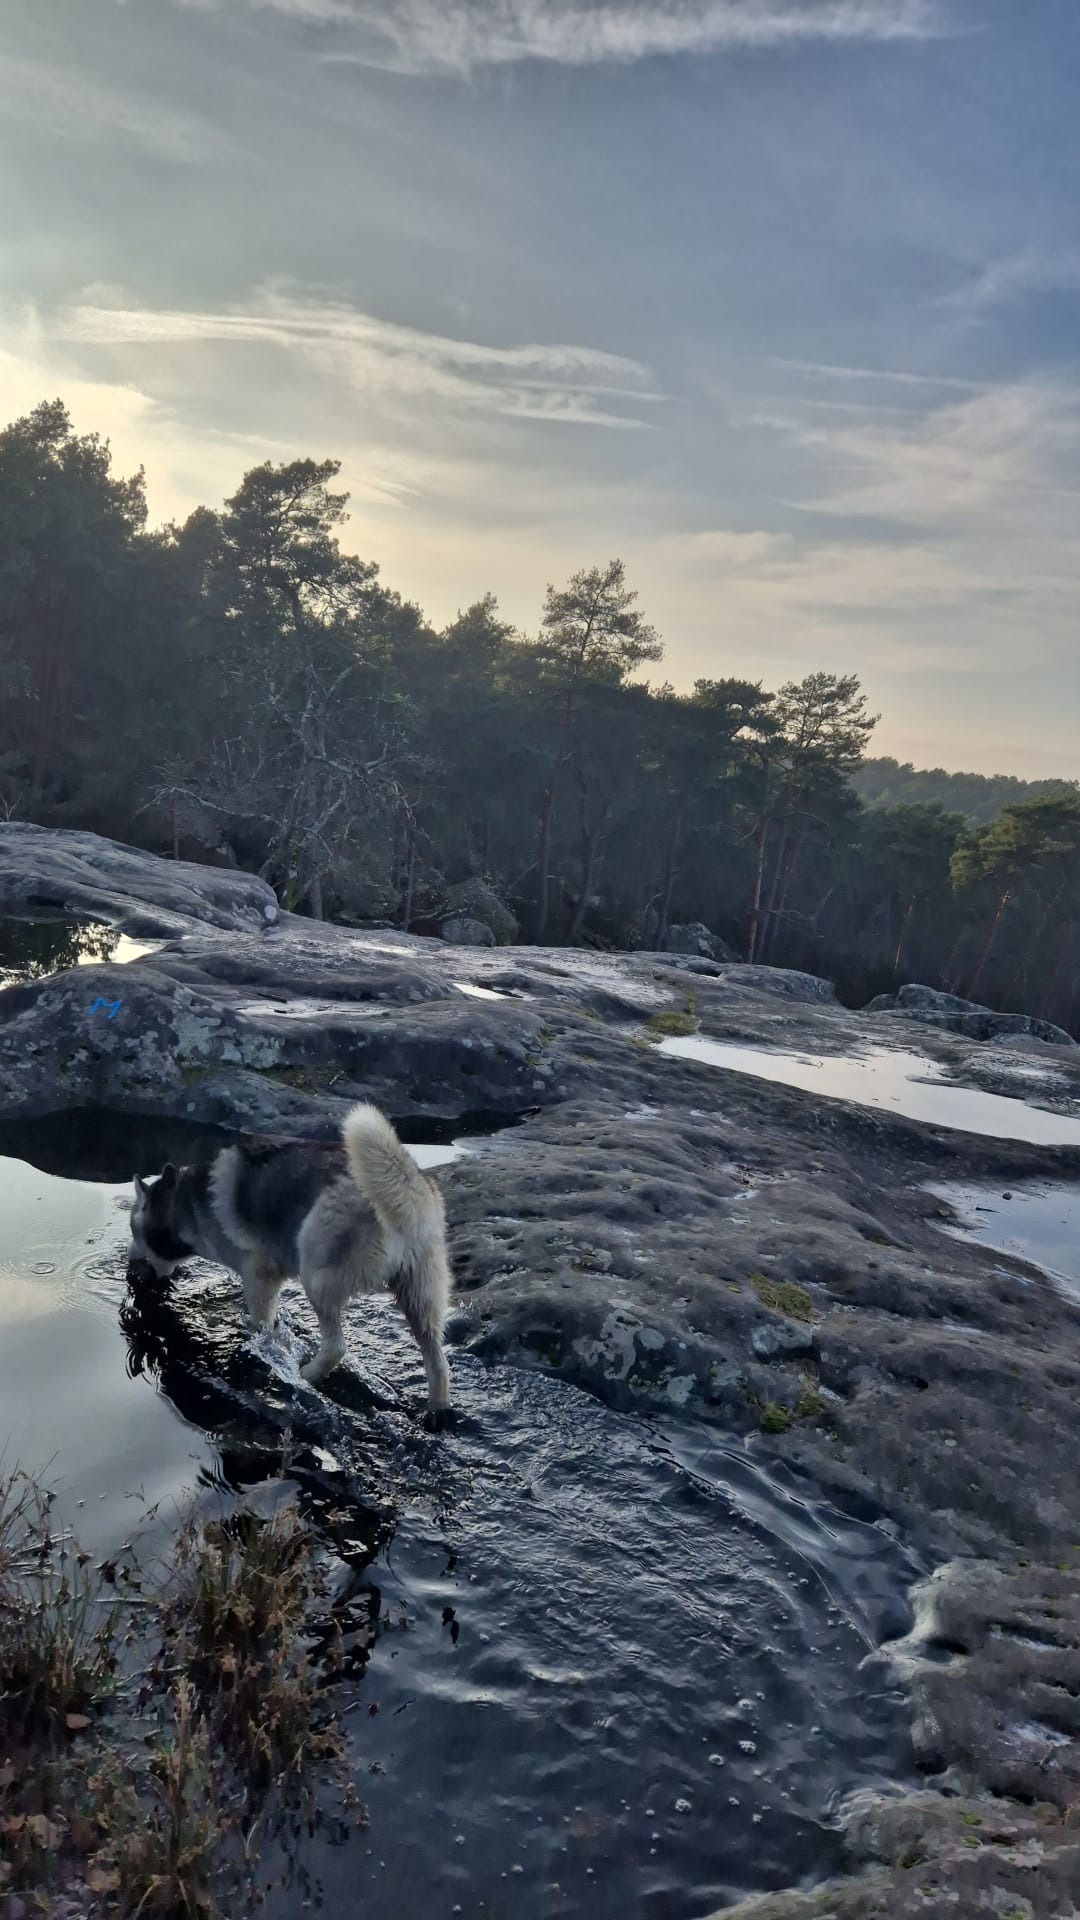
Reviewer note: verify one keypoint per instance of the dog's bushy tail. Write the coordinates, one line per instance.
(388, 1176)
(409, 1209)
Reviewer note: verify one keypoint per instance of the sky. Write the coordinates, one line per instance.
(778, 300)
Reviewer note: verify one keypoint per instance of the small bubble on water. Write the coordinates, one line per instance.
(683, 1806)
(716, 1759)
(748, 1746)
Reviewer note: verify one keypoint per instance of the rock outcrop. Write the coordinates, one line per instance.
(51, 875)
(948, 1011)
(476, 902)
(697, 939)
(668, 1236)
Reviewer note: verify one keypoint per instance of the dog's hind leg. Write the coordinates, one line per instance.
(329, 1353)
(263, 1282)
(425, 1317)
(328, 1296)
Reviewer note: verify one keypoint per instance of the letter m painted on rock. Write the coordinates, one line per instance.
(112, 1007)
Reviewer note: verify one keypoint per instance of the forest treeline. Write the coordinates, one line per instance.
(238, 687)
(978, 797)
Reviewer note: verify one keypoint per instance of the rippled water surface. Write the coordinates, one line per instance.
(619, 1668)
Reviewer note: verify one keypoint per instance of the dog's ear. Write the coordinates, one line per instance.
(169, 1178)
(140, 1188)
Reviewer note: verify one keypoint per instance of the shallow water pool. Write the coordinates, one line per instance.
(30, 949)
(1039, 1224)
(894, 1079)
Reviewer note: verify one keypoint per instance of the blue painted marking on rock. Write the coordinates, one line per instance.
(112, 1007)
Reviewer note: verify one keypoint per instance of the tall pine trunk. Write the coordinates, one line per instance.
(761, 837)
(547, 821)
(988, 944)
(902, 936)
(674, 839)
(543, 859)
(590, 847)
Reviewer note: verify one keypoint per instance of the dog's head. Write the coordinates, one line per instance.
(155, 1224)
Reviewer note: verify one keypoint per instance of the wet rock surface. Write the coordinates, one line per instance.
(734, 1255)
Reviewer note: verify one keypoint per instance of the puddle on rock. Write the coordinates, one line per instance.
(621, 1666)
(896, 1080)
(69, 1408)
(478, 992)
(31, 949)
(1039, 1224)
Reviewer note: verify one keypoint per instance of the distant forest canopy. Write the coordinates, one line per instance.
(237, 688)
(980, 797)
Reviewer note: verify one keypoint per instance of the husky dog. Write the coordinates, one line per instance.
(345, 1220)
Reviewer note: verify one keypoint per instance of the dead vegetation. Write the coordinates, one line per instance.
(163, 1737)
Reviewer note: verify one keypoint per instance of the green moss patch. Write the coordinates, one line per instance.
(783, 1296)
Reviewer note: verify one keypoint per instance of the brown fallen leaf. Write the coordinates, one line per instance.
(44, 1830)
(82, 1833)
(103, 1879)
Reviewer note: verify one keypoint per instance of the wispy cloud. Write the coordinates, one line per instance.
(460, 36)
(381, 361)
(956, 534)
(879, 376)
(76, 108)
(1032, 270)
(995, 457)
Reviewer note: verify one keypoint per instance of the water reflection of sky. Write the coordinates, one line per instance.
(69, 1409)
(893, 1079)
(1038, 1224)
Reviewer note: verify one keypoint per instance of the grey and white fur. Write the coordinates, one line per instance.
(345, 1220)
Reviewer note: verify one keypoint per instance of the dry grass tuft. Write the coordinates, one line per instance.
(57, 1642)
(159, 1745)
